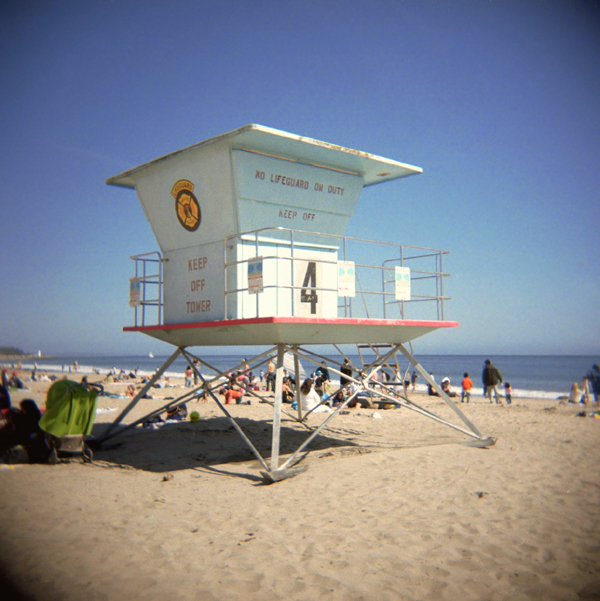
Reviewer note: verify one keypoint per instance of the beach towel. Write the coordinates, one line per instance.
(70, 409)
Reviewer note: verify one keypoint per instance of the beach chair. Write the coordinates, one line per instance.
(69, 417)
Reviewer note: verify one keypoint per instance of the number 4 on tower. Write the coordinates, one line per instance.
(308, 292)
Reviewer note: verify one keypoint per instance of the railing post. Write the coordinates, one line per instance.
(293, 299)
(256, 255)
(225, 274)
(160, 288)
(383, 299)
(443, 313)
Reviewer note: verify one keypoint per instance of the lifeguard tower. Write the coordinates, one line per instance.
(251, 228)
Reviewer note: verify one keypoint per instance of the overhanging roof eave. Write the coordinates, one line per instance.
(258, 138)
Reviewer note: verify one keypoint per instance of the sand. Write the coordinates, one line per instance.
(392, 508)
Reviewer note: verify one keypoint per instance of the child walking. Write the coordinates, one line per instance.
(466, 385)
(508, 393)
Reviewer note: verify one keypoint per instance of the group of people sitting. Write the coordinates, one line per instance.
(11, 380)
(313, 397)
(237, 386)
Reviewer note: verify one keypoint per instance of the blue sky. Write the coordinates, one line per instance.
(497, 101)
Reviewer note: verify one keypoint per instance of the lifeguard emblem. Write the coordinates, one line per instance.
(186, 205)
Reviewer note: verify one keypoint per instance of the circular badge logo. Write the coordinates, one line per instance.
(186, 205)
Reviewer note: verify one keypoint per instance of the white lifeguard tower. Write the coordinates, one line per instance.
(251, 228)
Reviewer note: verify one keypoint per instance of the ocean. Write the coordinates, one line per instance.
(533, 376)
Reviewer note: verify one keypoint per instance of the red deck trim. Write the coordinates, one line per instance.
(344, 321)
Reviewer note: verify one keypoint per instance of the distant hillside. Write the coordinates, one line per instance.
(13, 351)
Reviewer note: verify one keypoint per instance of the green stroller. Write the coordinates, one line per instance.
(69, 417)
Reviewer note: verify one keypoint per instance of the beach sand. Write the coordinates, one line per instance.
(397, 508)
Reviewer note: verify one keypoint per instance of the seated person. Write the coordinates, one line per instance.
(4, 400)
(430, 390)
(446, 387)
(339, 398)
(29, 434)
(309, 399)
(287, 392)
(361, 400)
(15, 381)
(6, 425)
(575, 394)
(178, 412)
(20, 426)
(242, 377)
(233, 391)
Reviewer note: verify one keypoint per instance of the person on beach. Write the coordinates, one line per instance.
(430, 390)
(233, 391)
(196, 372)
(15, 381)
(322, 379)
(310, 400)
(177, 413)
(413, 380)
(466, 386)
(446, 387)
(585, 392)
(270, 375)
(362, 399)
(189, 372)
(508, 393)
(339, 398)
(398, 386)
(575, 393)
(287, 393)
(346, 369)
(593, 377)
(491, 377)
(375, 379)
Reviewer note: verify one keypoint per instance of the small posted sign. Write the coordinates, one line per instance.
(402, 288)
(346, 278)
(255, 275)
(134, 292)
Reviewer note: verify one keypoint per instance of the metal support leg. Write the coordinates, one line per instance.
(140, 395)
(442, 394)
(277, 409)
(298, 383)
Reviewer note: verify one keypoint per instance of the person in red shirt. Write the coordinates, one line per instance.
(466, 384)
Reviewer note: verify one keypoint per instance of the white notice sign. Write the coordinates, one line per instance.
(346, 278)
(134, 292)
(255, 275)
(402, 288)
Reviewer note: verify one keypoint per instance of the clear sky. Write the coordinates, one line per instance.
(498, 101)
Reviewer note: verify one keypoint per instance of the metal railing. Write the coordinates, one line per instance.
(375, 293)
(149, 273)
(284, 293)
